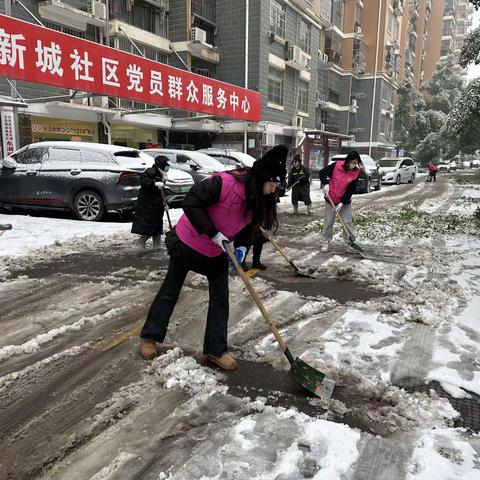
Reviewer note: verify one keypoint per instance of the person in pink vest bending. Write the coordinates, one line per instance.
(223, 208)
(340, 181)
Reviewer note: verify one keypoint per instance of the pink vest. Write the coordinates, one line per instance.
(340, 180)
(228, 215)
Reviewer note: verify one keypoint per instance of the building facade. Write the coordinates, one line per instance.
(327, 70)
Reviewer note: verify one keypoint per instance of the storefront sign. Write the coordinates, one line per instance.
(8, 131)
(81, 132)
(41, 55)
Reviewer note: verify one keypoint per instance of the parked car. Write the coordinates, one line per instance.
(444, 167)
(397, 170)
(197, 164)
(420, 168)
(453, 166)
(475, 163)
(230, 158)
(467, 164)
(370, 178)
(87, 178)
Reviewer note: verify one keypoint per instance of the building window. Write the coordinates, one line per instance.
(302, 97)
(205, 9)
(275, 86)
(278, 13)
(63, 29)
(305, 36)
(338, 13)
(140, 14)
(333, 47)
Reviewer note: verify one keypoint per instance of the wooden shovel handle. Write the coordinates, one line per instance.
(165, 206)
(255, 297)
(276, 245)
(347, 231)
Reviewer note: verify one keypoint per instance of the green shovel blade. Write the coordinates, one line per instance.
(312, 380)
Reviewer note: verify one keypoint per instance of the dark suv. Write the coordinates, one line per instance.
(88, 178)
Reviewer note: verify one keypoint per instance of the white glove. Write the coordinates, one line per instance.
(326, 189)
(159, 185)
(338, 207)
(218, 240)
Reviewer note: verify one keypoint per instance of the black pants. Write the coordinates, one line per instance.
(257, 246)
(432, 176)
(182, 260)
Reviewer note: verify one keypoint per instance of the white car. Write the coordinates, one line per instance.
(467, 164)
(230, 158)
(444, 167)
(475, 163)
(397, 170)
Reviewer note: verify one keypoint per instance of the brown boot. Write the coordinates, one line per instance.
(148, 349)
(226, 361)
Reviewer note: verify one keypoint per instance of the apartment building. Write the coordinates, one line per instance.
(326, 68)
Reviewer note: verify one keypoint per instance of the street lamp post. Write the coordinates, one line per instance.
(375, 77)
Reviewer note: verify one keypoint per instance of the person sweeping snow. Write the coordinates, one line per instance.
(432, 172)
(340, 181)
(148, 219)
(299, 182)
(216, 211)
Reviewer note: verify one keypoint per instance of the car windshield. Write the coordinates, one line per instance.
(388, 162)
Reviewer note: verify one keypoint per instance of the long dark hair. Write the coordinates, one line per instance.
(264, 206)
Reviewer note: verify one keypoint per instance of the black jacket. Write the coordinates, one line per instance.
(325, 174)
(148, 219)
(205, 194)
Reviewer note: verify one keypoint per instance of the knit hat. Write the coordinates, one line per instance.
(161, 161)
(272, 166)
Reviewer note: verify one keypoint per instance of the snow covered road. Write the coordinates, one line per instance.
(77, 401)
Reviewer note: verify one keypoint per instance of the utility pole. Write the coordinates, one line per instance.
(245, 131)
(13, 93)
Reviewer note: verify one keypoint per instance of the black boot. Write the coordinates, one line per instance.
(258, 264)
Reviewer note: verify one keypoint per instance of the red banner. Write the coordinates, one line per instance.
(41, 55)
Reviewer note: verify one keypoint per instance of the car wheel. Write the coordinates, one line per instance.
(412, 178)
(398, 180)
(89, 206)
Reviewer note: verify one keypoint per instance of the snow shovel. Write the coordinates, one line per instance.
(166, 208)
(4, 227)
(351, 239)
(308, 377)
(289, 188)
(297, 271)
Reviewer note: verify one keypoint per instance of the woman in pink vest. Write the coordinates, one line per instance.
(223, 208)
(340, 181)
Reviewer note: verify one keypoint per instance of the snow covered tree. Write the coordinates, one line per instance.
(463, 123)
(471, 49)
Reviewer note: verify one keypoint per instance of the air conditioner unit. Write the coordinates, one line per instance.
(358, 29)
(298, 56)
(99, 9)
(269, 139)
(354, 103)
(199, 35)
(297, 121)
(322, 127)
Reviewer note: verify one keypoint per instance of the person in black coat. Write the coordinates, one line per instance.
(299, 182)
(148, 219)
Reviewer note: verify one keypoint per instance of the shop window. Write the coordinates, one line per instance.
(275, 86)
(278, 13)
